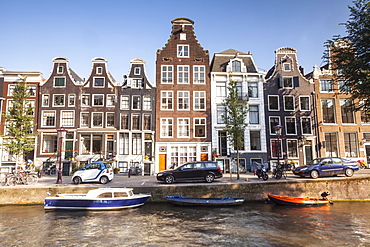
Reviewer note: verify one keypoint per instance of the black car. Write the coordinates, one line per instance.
(327, 167)
(198, 170)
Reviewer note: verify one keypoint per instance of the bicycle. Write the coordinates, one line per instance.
(8, 179)
(279, 172)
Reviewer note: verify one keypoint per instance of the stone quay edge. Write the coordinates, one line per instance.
(251, 188)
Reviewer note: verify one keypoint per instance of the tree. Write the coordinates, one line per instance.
(236, 111)
(349, 56)
(18, 139)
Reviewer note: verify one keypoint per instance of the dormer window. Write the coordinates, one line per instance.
(182, 50)
(60, 70)
(137, 71)
(99, 70)
(236, 66)
(286, 67)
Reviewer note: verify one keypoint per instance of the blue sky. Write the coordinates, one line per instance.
(34, 32)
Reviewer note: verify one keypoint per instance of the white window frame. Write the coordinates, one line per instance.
(92, 119)
(199, 72)
(221, 89)
(99, 70)
(100, 96)
(167, 96)
(66, 118)
(137, 71)
(183, 50)
(295, 126)
(125, 102)
(272, 131)
(198, 122)
(11, 88)
(60, 95)
(60, 70)
(198, 97)
(285, 65)
(292, 81)
(309, 102)
(58, 77)
(45, 100)
(296, 148)
(98, 77)
(165, 74)
(310, 120)
(326, 91)
(110, 100)
(147, 103)
(183, 74)
(185, 99)
(278, 105)
(43, 114)
(183, 127)
(289, 96)
(166, 124)
(69, 100)
(85, 96)
(136, 99)
(106, 119)
(88, 119)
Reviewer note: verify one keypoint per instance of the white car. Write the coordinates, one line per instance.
(94, 172)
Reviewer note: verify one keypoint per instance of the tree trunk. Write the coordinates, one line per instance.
(237, 165)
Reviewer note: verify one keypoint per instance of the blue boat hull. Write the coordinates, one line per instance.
(94, 204)
(198, 201)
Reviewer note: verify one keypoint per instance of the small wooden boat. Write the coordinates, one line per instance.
(199, 201)
(97, 199)
(297, 201)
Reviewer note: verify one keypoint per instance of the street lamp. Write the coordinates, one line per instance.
(61, 134)
(278, 133)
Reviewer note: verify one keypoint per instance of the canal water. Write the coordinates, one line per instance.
(162, 224)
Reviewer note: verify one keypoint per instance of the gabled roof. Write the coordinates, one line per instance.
(221, 60)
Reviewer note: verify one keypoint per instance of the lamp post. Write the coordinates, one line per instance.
(278, 132)
(61, 133)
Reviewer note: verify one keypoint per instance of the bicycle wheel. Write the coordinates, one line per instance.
(33, 179)
(11, 181)
(3, 181)
(278, 174)
(53, 172)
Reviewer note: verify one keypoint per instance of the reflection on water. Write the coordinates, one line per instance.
(162, 224)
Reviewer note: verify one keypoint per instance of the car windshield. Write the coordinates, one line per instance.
(314, 162)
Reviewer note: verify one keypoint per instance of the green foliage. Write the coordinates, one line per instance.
(19, 122)
(350, 55)
(236, 111)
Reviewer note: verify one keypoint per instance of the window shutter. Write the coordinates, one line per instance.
(280, 81)
(296, 81)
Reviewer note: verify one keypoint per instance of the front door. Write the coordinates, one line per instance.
(367, 147)
(308, 153)
(162, 162)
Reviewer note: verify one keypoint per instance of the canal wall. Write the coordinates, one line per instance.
(346, 189)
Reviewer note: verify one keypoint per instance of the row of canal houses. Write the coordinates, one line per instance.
(293, 117)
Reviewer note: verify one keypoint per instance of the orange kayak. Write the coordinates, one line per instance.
(297, 201)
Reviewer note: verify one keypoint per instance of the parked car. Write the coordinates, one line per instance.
(94, 172)
(322, 167)
(199, 170)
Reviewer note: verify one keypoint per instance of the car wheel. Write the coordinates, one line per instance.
(349, 172)
(314, 174)
(77, 180)
(104, 180)
(169, 179)
(209, 178)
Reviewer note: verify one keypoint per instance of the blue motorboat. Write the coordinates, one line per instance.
(97, 199)
(200, 201)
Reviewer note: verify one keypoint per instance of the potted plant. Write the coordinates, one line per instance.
(116, 170)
